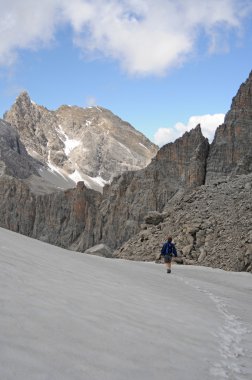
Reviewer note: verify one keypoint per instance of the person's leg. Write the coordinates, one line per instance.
(168, 264)
(169, 267)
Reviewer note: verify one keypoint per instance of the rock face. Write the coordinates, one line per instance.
(130, 197)
(58, 218)
(14, 160)
(231, 150)
(88, 144)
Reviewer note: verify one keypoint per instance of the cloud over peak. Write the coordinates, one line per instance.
(208, 124)
(144, 36)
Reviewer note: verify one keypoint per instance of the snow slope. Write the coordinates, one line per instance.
(71, 316)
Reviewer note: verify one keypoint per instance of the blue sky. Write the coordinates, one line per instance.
(161, 65)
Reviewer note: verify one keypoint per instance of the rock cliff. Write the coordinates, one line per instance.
(231, 152)
(177, 166)
(14, 159)
(58, 218)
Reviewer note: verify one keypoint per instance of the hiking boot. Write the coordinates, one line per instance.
(168, 271)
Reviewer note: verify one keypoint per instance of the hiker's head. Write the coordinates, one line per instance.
(169, 239)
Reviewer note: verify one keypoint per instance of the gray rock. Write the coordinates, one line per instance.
(187, 250)
(231, 150)
(100, 250)
(248, 186)
(202, 256)
(154, 217)
(14, 159)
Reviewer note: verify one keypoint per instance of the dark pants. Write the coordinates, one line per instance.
(167, 258)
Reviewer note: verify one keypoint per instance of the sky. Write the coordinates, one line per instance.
(66, 315)
(163, 65)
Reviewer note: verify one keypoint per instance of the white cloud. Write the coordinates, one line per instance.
(26, 25)
(145, 36)
(208, 123)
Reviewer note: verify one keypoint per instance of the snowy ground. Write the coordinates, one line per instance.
(70, 316)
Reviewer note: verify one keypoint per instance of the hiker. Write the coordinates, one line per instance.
(168, 250)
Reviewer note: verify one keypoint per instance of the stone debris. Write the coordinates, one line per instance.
(216, 233)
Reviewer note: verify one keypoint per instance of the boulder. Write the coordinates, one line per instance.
(202, 256)
(154, 217)
(100, 250)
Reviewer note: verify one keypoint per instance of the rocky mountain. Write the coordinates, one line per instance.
(231, 153)
(81, 218)
(190, 190)
(210, 224)
(79, 144)
(177, 166)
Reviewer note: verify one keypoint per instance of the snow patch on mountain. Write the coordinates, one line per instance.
(76, 176)
(96, 183)
(143, 146)
(125, 147)
(56, 169)
(100, 181)
(70, 144)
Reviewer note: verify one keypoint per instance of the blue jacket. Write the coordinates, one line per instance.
(168, 249)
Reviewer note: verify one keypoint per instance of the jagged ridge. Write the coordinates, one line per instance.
(175, 177)
(88, 144)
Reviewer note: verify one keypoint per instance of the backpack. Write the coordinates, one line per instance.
(167, 249)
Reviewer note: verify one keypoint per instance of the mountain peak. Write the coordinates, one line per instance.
(23, 96)
(243, 99)
(231, 152)
(89, 144)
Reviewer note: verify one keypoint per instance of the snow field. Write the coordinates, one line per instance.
(66, 315)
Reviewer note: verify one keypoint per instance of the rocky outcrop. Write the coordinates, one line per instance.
(100, 250)
(14, 159)
(130, 197)
(211, 225)
(89, 144)
(231, 150)
(59, 218)
(36, 126)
